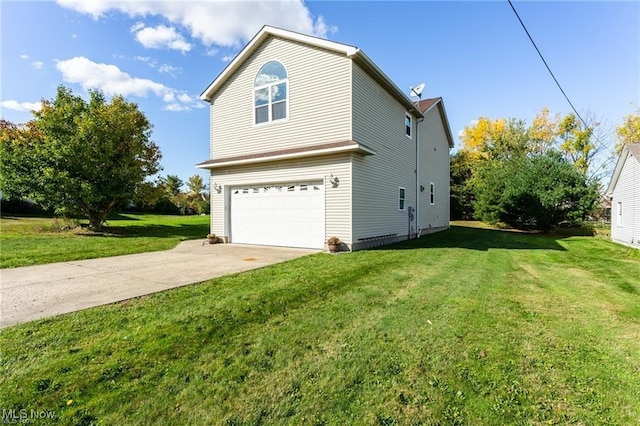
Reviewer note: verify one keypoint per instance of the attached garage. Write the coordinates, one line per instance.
(286, 214)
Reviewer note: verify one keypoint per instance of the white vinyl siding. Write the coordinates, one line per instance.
(377, 123)
(337, 200)
(318, 102)
(625, 223)
(434, 169)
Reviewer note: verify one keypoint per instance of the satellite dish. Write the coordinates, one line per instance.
(417, 91)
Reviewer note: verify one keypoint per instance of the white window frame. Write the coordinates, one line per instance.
(619, 221)
(432, 193)
(408, 129)
(269, 104)
(402, 198)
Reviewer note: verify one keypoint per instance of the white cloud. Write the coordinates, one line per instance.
(321, 29)
(24, 56)
(21, 106)
(162, 36)
(227, 58)
(222, 23)
(37, 65)
(169, 69)
(137, 27)
(111, 80)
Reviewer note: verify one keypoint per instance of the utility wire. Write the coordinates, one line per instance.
(547, 65)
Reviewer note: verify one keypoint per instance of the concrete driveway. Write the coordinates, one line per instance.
(35, 292)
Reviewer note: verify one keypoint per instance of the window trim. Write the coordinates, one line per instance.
(269, 104)
(402, 198)
(408, 128)
(432, 193)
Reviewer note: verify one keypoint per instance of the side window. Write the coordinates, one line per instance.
(408, 127)
(270, 93)
(401, 198)
(432, 193)
(619, 213)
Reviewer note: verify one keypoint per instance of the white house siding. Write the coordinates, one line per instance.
(378, 123)
(319, 102)
(337, 200)
(627, 191)
(434, 167)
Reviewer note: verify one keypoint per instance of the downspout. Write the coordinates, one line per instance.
(418, 227)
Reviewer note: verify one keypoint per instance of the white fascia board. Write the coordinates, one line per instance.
(616, 173)
(353, 148)
(258, 39)
(445, 120)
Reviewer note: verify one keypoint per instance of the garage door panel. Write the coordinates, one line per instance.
(284, 215)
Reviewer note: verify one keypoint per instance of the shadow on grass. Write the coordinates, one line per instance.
(480, 239)
(185, 231)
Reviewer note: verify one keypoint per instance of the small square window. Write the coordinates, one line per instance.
(401, 198)
(407, 125)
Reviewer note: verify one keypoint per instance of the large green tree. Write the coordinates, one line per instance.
(536, 191)
(79, 157)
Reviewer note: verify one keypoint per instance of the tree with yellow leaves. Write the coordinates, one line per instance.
(629, 131)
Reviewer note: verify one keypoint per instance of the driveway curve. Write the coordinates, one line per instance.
(33, 292)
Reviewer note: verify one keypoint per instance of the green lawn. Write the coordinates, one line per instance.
(468, 326)
(34, 241)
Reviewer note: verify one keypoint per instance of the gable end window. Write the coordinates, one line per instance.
(408, 124)
(271, 93)
(401, 198)
(432, 193)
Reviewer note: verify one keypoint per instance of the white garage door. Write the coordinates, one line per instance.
(290, 215)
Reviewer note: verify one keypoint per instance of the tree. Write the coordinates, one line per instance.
(17, 152)
(462, 197)
(629, 131)
(173, 185)
(196, 186)
(80, 157)
(537, 191)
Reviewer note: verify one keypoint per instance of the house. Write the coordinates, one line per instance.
(624, 190)
(310, 139)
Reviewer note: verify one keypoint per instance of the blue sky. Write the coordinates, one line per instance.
(475, 55)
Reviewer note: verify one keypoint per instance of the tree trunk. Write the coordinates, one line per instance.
(95, 222)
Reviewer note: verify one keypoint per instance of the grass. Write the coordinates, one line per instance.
(468, 326)
(34, 241)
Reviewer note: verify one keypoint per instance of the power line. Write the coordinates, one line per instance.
(547, 65)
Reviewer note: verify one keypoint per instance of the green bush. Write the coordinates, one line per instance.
(534, 192)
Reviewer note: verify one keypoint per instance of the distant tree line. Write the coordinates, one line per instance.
(165, 195)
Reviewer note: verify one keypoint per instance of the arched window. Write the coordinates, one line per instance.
(270, 93)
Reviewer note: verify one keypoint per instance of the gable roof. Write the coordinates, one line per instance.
(425, 105)
(629, 150)
(351, 52)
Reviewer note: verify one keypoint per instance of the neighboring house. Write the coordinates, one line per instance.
(624, 191)
(310, 139)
